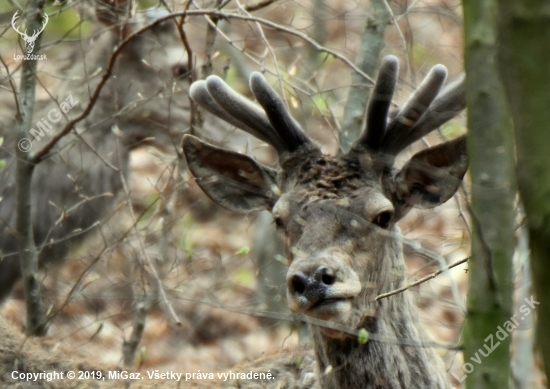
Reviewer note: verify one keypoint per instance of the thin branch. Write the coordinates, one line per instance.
(54, 312)
(191, 74)
(36, 158)
(129, 347)
(271, 51)
(300, 318)
(422, 280)
(211, 29)
(260, 5)
(13, 89)
(152, 268)
(403, 40)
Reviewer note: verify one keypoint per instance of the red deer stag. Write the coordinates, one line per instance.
(76, 185)
(337, 218)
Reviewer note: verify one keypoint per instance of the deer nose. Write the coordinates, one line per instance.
(312, 286)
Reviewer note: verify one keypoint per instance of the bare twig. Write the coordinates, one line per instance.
(403, 40)
(298, 318)
(144, 304)
(152, 268)
(54, 312)
(12, 85)
(210, 40)
(260, 5)
(275, 61)
(422, 280)
(38, 156)
(190, 59)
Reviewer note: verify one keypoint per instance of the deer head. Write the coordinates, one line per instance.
(29, 40)
(139, 105)
(147, 94)
(336, 215)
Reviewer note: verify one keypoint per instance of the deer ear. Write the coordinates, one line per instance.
(433, 175)
(109, 12)
(230, 179)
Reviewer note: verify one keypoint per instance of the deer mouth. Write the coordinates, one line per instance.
(330, 307)
(328, 302)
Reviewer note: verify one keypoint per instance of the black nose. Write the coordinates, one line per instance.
(299, 282)
(313, 286)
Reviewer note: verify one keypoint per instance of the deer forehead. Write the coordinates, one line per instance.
(322, 176)
(343, 205)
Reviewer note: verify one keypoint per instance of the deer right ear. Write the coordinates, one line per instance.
(230, 179)
(433, 175)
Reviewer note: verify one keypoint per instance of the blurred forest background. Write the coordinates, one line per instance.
(221, 274)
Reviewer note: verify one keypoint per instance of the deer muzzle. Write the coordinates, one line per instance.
(324, 287)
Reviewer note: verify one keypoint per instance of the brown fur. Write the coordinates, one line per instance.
(329, 236)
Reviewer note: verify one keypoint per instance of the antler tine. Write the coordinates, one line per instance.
(379, 105)
(199, 93)
(216, 96)
(414, 109)
(449, 103)
(289, 130)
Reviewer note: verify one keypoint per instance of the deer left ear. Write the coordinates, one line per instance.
(232, 180)
(433, 175)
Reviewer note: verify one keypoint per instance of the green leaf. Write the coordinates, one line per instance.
(363, 336)
(282, 259)
(99, 329)
(243, 251)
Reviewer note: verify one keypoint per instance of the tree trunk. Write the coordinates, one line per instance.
(491, 151)
(524, 56)
(25, 240)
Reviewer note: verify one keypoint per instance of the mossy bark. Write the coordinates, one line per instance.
(524, 57)
(491, 151)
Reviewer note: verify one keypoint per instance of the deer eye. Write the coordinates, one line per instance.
(180, 70)
(383, 219)
(279, 222)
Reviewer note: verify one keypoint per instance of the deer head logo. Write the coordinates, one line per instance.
(29, 40)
